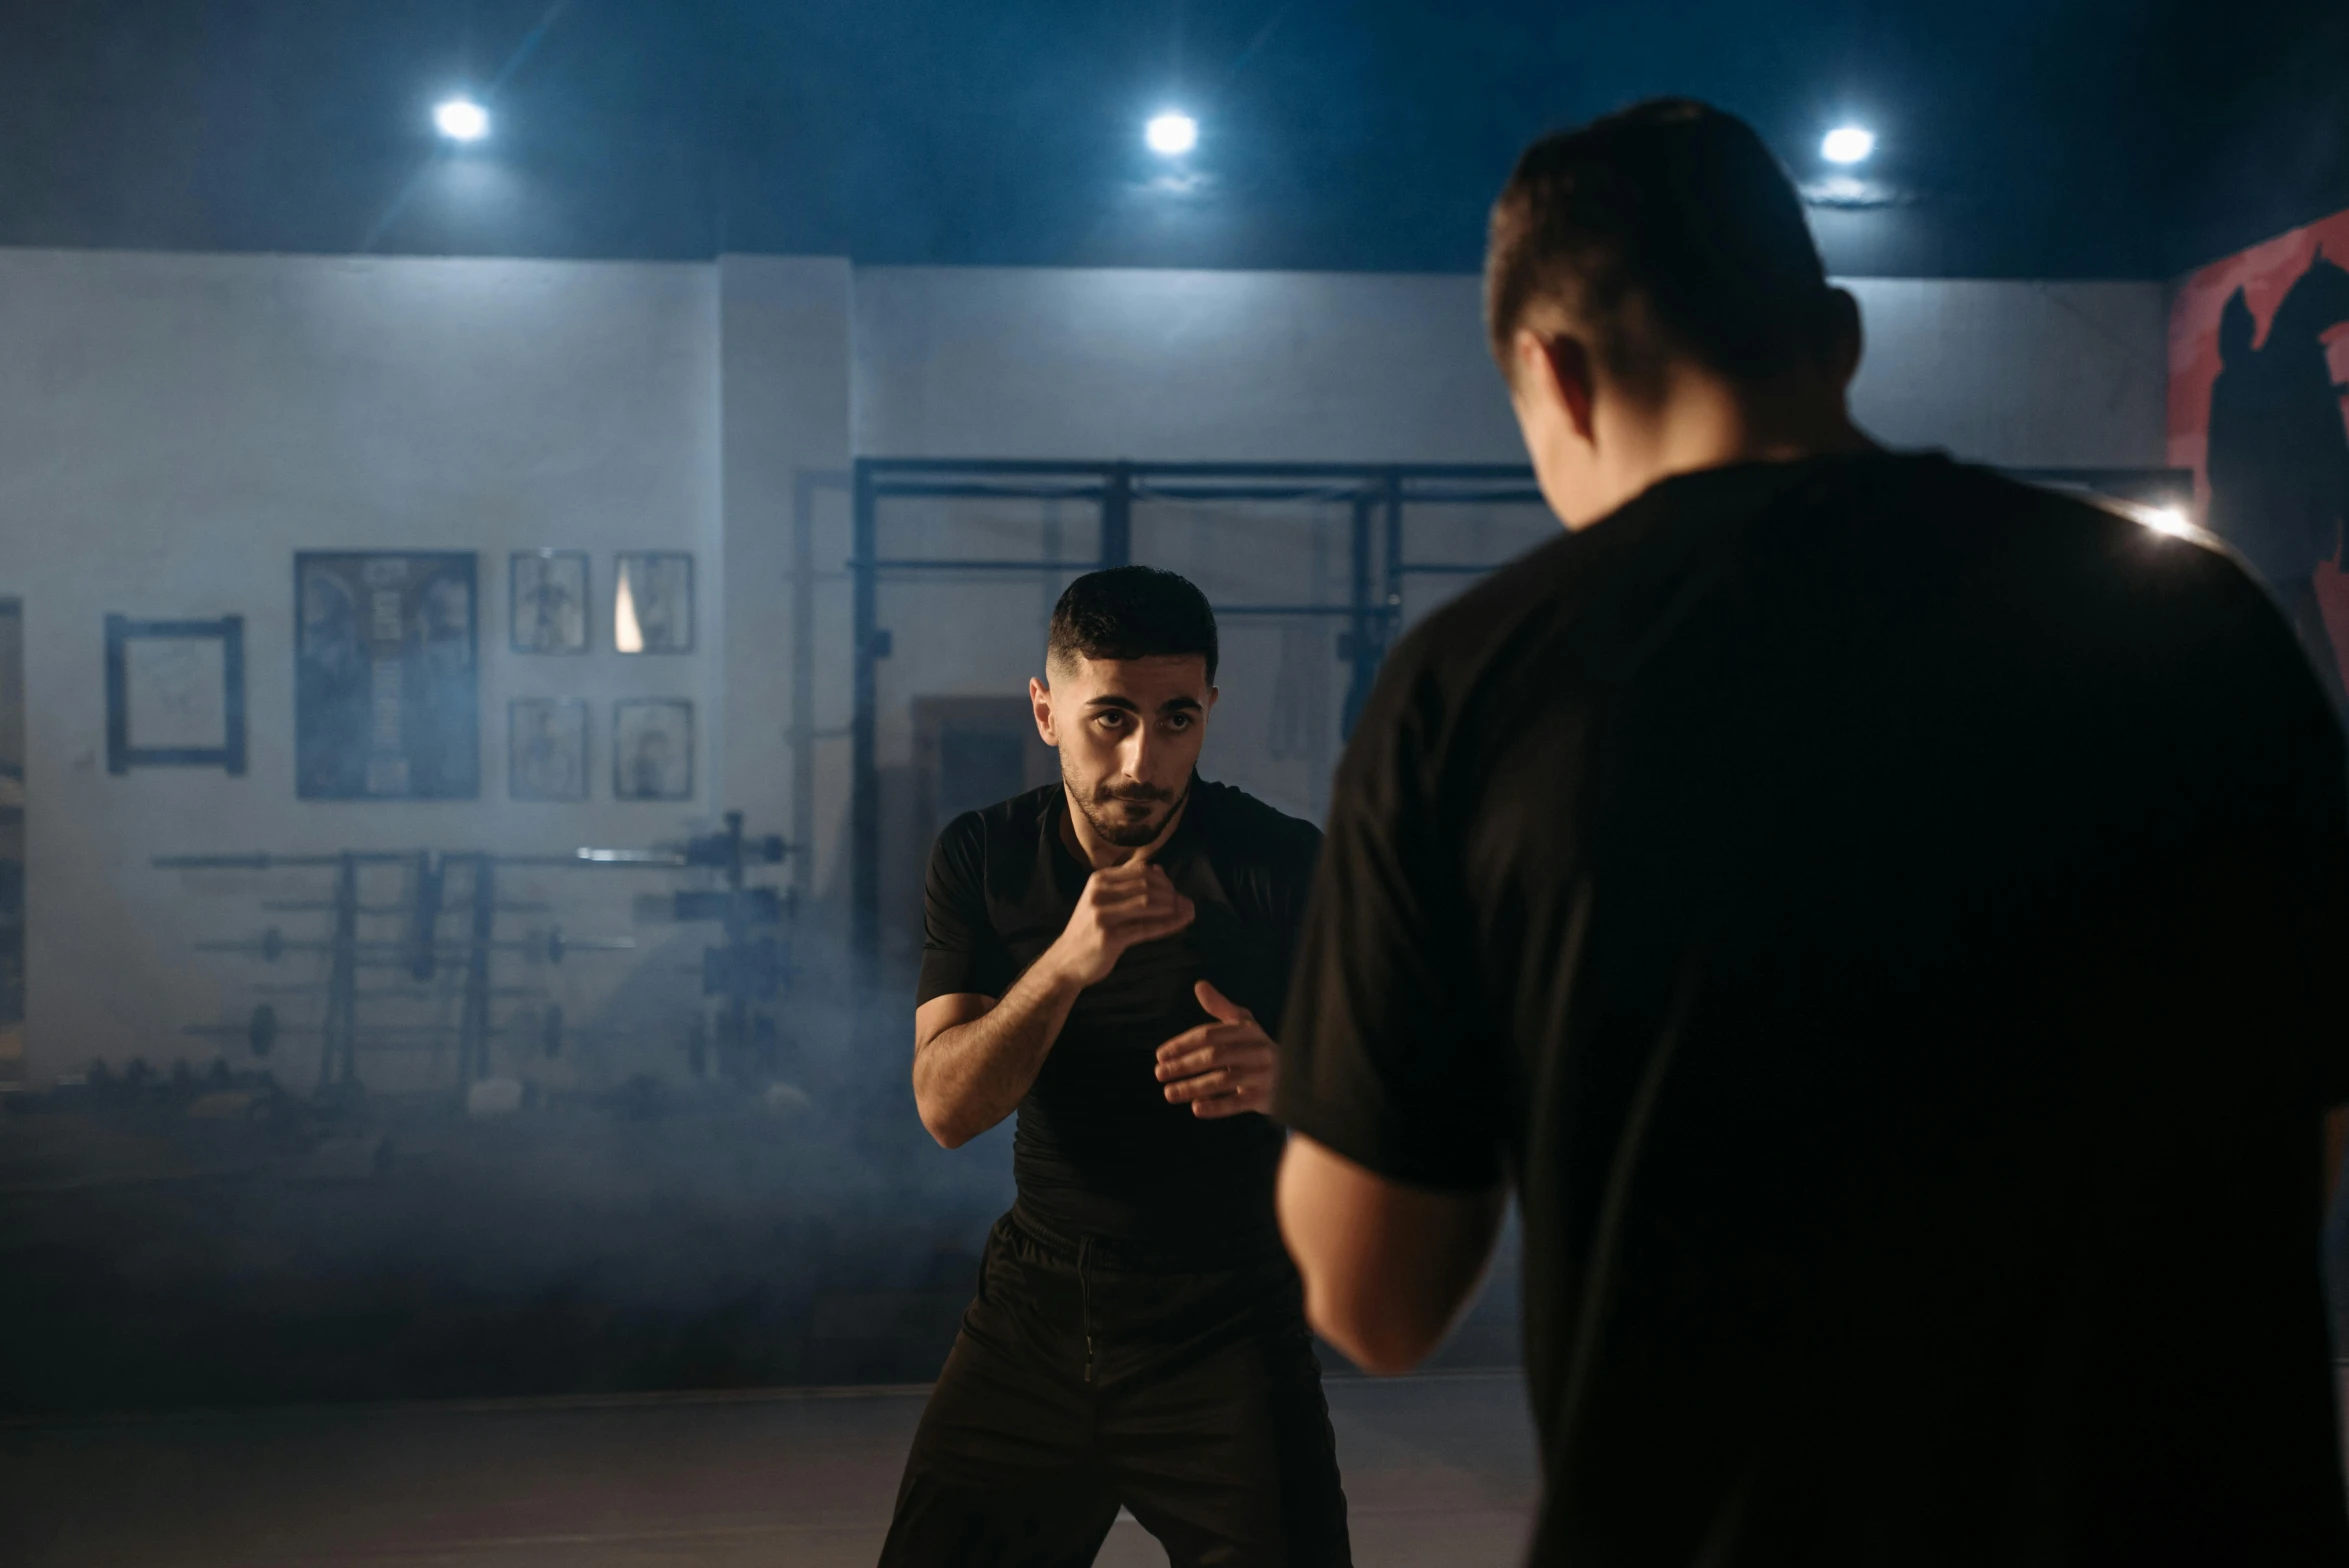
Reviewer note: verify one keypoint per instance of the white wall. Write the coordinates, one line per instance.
(2022, 374)
(1241, 366)
(1173, 366)
(174, 428)
(784, 347)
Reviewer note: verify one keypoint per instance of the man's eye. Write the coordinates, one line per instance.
(1110, 720)
(1179, 721)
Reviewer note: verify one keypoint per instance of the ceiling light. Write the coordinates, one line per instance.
(1171, 135)
(461, 120)
(1848, 144)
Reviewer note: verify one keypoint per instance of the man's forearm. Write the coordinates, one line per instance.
(969, 1077)
(1387, 1268)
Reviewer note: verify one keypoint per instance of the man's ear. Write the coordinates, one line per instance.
(1040, 699)
(1558, 371)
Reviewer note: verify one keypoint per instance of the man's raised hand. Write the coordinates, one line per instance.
(1121, 906)
(1222, 1068)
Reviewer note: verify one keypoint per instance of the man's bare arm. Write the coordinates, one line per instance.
(1387, 1268)
(975, 1058)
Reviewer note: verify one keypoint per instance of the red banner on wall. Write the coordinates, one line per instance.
(2259, 362)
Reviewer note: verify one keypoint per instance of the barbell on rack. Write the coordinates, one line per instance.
(747, 970)
(261, 1031)
(325, 906)
(550, 945)
(725, 850)
(383, 993)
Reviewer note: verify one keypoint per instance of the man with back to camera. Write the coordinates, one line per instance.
(1096, 954)
(1878, 918)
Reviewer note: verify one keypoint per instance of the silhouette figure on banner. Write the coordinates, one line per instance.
(2279, 449)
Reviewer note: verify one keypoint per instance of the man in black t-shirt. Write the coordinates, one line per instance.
(1886, 924)
(1096, 955)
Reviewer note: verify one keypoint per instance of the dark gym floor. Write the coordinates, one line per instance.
(1438, 1469)
(154, 1258)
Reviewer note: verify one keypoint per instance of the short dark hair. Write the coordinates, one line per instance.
(1131, 612)
(1665, 228)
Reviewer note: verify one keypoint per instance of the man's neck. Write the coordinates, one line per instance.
(1076, 833)
(1704, 421)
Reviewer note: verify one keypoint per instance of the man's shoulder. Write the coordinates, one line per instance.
(2145, 564)
(1236, 822)
(2055, 577)
(1447, 650)
(1721, 522)
(1015, 826)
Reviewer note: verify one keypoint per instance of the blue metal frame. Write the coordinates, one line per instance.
(1373, 611)
(1377, 493)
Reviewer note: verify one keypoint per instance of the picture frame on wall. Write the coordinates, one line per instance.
(175, 694)
(546, 748)
(547, 603)
(652, 602)
(652, 748)
(386, 675)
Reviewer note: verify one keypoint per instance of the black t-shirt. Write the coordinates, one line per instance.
(1099, 1151)
(1889, 924)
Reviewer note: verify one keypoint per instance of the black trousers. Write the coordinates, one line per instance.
(1081, 1382)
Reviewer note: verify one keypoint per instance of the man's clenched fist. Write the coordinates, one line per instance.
(1121, 906)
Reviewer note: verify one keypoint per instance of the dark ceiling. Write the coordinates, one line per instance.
(2019, 137)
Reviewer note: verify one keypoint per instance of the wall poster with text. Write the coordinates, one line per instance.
(386, 681)
(2259, 365)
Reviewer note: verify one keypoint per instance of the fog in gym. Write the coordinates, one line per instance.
(519, 521)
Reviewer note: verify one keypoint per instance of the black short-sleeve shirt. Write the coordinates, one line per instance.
(1889, 924)
(1098, 1150)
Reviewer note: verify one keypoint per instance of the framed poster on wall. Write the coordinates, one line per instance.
(175, 694)
(546, 748)
(386, 693)
(547, 601)
(652, 602)
(652, 749)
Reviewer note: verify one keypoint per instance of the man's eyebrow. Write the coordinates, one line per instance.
(1129, 705)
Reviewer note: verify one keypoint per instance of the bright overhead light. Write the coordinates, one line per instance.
(1848, 144)
(1171, 135)
(2167, 520)
(461, 120)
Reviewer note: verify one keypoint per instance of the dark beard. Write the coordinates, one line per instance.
(1127, 835)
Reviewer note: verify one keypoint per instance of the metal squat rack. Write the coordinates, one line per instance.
(747, 971)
